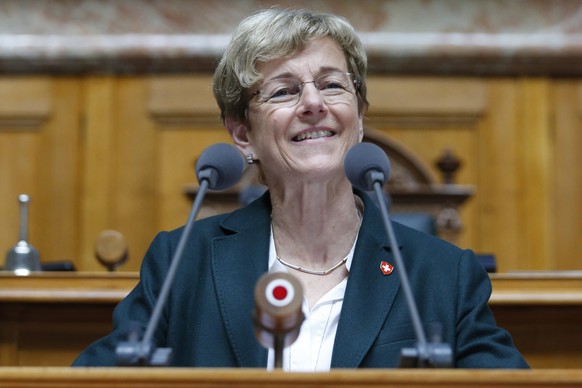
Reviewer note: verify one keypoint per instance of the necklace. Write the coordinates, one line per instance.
(324, 272)
(313, 271)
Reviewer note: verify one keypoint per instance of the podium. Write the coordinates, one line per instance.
(247, 378)
(47, 319)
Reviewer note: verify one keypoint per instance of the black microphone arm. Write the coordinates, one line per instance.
(368, 168)
(219, 167)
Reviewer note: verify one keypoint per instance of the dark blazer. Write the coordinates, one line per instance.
(207, 320)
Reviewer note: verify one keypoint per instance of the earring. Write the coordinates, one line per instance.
(249, 158)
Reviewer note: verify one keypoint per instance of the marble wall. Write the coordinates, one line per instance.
(404, 36)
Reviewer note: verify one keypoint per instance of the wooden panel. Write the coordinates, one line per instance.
(39, 156)
(52, 334)
(421, 101)
(113, 152)
(429, 116)
(567, 223)
(183, 99)
(142, 138)
(535, 164)
(59, 176)
(496, 226)
(24, 108)
(63, 287)
(120, 180)
(47, 319)
(252, 378)
(99, 153)
(135, 179)
(501, 130)
(26, 102)
(8, 346)
(188, 122)
(60, 314)
(542, 312)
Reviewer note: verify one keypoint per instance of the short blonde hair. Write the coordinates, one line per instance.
(278, 33)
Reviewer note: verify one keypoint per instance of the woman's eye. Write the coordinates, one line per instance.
(280, 93)
(332, 85)
(284, 91)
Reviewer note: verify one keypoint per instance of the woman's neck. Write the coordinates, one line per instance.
(314, 226)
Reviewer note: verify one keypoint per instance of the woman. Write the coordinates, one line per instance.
(292, 93)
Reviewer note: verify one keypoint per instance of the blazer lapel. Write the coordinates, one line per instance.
(369, 294)
(241, 257)
(238, 260)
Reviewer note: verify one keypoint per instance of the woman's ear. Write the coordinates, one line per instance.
(239, 133)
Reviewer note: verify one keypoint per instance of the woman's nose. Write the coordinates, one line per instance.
(311, 99)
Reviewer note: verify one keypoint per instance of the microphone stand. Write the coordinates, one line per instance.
(424, 355)
(145, 352)
(278, 347)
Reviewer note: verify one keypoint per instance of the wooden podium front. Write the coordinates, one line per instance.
(47, 319)
(247, 378)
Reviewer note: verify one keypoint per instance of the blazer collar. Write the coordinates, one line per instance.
(369, 293)
(241, 256)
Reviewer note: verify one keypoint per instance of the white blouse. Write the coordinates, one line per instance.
(312, 350)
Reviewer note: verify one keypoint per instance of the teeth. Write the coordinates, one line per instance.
(313, 135)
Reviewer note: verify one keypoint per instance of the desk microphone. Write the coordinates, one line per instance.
(368, 168)
(219, 167)
(277, 317)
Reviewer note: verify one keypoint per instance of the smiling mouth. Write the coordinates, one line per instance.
(313, 135)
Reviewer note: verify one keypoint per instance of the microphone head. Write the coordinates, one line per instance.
(361, 161)
(224, 162)
(278, 301)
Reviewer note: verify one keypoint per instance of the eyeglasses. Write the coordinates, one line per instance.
(333, 87)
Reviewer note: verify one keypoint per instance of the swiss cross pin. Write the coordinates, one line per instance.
(386, 268)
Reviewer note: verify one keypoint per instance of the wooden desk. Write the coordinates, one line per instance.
(543, 312)
(47, 319)
(248, 378)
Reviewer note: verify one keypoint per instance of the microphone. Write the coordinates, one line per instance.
(277, 317)
(219, 167)
(368, 168)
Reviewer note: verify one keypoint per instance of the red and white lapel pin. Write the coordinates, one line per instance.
(386, 268)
